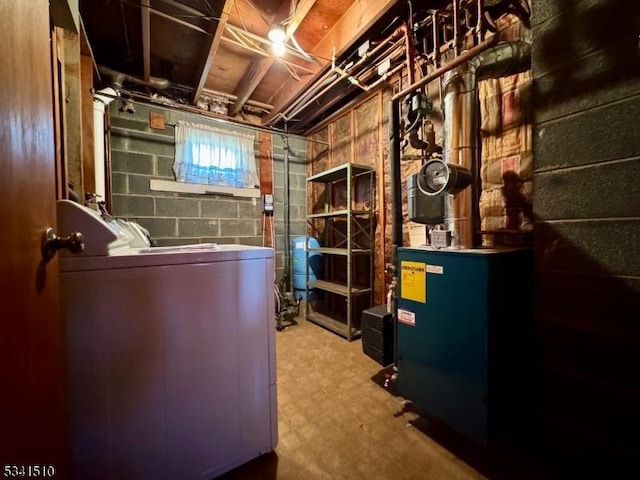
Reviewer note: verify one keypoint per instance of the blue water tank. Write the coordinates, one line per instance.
(299, 246)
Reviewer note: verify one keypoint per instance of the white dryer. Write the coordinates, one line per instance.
(170, 354)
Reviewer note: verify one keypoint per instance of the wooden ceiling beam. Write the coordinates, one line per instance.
(146, 39)
(359, 18)
(179, 21)
(184, 8)
(301, 13)
(209, 52)
(259, 67)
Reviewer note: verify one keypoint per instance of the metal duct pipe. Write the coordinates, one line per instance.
(460, 126)
(118, 78)
(503, 60)
(460, 148)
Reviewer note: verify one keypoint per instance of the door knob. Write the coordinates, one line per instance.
(51, 243)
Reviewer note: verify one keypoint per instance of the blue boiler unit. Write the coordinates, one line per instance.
(464, 336)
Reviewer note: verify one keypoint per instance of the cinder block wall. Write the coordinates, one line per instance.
(139, 154)
(297, 155)
(586, 69)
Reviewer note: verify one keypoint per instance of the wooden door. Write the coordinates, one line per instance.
(31, 358)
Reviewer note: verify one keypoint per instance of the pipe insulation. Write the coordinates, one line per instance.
(460, 87)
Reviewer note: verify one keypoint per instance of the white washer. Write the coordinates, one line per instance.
(170, 355)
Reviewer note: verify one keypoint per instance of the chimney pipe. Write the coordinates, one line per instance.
(460, 87)
(118, 78)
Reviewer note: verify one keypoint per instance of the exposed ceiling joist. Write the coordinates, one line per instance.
(184, 8)
(209, 52)
(300, 14)
(358, 19)
(146, 39)
(260, 66)
(179, 22)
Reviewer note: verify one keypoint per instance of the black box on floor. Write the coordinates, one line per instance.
(377, 334)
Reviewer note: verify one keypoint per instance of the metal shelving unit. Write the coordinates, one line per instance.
(355, 244)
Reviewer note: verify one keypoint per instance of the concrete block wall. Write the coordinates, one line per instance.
(139, 154)
(586, 69)
(297, 155)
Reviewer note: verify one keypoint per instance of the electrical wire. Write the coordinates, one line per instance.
(235, 5)
(210, 18)
(126, 34)
(301, 50)
(207, 6)
(250, 3)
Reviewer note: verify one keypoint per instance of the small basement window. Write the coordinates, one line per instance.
(212, 160)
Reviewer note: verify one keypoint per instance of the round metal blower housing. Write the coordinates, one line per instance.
(436, 177)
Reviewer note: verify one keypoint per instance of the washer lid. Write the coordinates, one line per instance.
(102, 236)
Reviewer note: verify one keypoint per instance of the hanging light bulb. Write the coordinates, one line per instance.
(277, 34)
(278, 48)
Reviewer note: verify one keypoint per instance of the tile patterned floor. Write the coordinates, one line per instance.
(335, 423)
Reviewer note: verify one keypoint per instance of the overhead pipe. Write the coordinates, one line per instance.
(330, 103)
(410, 52)
(438, 72)
(302, 103)
(321, 87)
(371, 56)
(504, 59)
(366, 74)
(118, 78)
(306, 103)
(456, 27)
(327, 77)
(384, 77)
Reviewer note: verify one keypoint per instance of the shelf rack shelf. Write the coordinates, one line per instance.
(346, 236)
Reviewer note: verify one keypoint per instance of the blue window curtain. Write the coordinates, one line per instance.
(212, 156)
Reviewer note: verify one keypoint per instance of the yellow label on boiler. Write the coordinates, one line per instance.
(413, 281)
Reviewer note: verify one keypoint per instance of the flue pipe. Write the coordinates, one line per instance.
(118, 78)
(460, 87)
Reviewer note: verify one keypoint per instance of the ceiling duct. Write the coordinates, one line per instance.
(118, 78)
